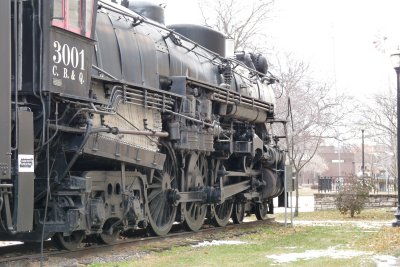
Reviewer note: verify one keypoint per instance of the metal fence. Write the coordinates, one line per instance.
(329, 184)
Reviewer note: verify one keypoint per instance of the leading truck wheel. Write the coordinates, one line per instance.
(261, 210)
(222, 213)
(68, 242)
(238, 212)
(109, 236)
(161, 212)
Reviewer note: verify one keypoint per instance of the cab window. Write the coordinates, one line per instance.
(74, 15)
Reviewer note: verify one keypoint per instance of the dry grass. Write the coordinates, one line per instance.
(386, 240)
(278, 240)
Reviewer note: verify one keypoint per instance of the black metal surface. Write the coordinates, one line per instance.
(107, 47)
(70, 63)
(204, 36)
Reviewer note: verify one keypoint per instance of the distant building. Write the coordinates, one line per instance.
(348, 161)
(339, 163)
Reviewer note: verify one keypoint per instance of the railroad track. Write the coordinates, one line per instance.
(31, 252)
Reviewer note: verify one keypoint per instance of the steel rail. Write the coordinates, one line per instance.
(24, 250)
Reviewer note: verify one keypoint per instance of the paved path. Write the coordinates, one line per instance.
(369, 225)
(306, 204)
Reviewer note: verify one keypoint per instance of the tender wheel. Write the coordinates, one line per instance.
(222, 213)
(196, 175)
(71, 242)
(261, 210)
(238, 213)
(161, 212)
(106, 237)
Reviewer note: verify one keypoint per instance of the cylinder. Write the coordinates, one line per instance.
(247, 114)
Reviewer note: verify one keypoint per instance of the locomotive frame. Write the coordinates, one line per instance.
(113, 122)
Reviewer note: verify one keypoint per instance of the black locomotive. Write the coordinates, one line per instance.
(112, 121)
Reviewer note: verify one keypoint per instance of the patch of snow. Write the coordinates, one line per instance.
(9, 243)
(218, 243)
(360, 224)
(312, 254)
(386, 261)
(306, 204)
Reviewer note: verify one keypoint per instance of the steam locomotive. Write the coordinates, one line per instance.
(112, 121)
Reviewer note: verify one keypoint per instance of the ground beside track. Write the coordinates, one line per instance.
(331, 241)
(317, 239)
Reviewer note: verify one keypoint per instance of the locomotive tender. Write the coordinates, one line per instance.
(112, 121)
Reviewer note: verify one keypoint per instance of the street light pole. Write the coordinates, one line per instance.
(396, 64)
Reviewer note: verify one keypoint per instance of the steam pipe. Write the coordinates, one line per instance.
(89, 124)
(113, 130)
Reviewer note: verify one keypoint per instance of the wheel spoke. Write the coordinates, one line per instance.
(153, 206)
(160, 218)
(195, 212)
(167, 211)
(154, 186)
(162, 215)
(168, 168)
(153, 194)
(191, 206)
(157, 207)
(160, 179)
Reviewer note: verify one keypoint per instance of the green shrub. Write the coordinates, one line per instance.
(353, 195)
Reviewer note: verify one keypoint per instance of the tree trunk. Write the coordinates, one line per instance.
(296, 185)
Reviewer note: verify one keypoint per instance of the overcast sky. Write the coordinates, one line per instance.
(335, 36)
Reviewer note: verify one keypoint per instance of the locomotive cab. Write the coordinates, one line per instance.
(47, 47)
(69, 46)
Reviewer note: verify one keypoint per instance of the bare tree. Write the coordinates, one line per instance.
(314, 111)
(244, 21)
(381, 118)
(316, 166)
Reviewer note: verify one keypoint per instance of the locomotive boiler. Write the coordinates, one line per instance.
(112, 121)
